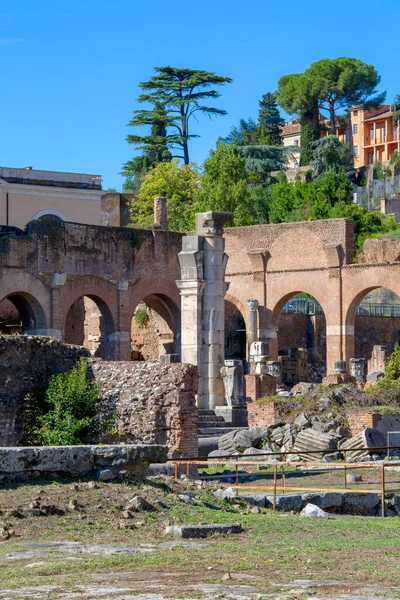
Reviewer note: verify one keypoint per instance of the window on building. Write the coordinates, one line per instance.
(355, 129)
(296, 142)
(355, 113)
(355, 150)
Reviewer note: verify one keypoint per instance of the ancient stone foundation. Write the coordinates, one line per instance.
(104, 462)
(151, 404)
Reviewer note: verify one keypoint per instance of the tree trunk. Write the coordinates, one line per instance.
(185, 141)
(333, 118)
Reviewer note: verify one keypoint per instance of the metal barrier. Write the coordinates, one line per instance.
(237, 461)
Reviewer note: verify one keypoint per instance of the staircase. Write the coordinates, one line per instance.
(212, 425)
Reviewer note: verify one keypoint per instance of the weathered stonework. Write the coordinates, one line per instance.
(151, 403)
(26, 364)
(129, 460)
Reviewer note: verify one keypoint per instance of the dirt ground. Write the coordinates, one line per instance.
(97, 546)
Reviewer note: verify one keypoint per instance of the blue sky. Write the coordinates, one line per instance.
(70, 69)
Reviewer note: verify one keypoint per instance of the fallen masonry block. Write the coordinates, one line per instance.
(364, 441)
(309, 439)
(202, 531)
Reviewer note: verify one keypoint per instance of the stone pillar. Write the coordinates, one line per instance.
(202, 287)
(191, 288)
(160, 212)
(357, 369)
(252, 332)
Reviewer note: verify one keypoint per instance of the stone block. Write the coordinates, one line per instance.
(202, 531)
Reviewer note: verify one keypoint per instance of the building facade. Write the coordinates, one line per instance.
(371, 134)
(27, 194)
(374, 135)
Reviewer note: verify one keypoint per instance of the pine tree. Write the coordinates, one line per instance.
(270, 122)
(181, 93)
(155, 150)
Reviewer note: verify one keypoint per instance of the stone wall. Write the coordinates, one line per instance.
(105, 462)
(26, 364)
(261, 415)
(152, 403)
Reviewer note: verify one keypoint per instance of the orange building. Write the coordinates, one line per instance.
(374, 136)
(371, 133)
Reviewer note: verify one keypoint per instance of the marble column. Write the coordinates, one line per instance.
(202, 287)
(252, 331)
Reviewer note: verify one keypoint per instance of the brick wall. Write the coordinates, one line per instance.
(152, 403)
(261, 415)
(26, 364)
(260, 386)
(358, 421)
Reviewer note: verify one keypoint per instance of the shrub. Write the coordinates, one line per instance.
(69, 399)
(141, 317)
(392, 370)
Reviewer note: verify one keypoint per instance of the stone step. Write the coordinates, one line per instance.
(212, 425)
(211, 421)
(206, 411)
(217, 431)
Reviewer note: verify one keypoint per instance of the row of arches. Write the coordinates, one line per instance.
(88, 314)
(88, 317)
(300, 323)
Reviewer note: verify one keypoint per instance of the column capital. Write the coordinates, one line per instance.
(252, 305)
(190, 287)
(211, 223)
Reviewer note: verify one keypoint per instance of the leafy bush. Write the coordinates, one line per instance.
(141, 317)
(392, 370)
(69, 400)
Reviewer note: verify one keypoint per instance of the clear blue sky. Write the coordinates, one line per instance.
(70, 69)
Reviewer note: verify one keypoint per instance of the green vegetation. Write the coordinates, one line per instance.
(245, 172)
(141, 317)
(392, 371)
(176, 96)
(179, 184)
(65, 415)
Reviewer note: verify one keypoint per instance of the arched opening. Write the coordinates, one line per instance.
(235, 333)
(89, 323)
(376, 326)
(301, 330)
(20, 312)
(155, 328)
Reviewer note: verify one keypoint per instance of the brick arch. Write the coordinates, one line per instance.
(160, 295)
(31, 297)
(359, 282)
(104, 294)
(277, 308)
(242, 308)
(236, 343)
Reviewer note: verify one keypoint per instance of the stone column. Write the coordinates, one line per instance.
(211, 386)
(202, 287)
(252, 333)
(160, 212)
(191, 288)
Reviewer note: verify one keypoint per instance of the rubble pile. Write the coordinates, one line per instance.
(304, 439)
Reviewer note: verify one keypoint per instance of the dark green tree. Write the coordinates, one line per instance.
(263, 159)
(245, 134)
(339, 83)
(182, 93)
(154, 150)
(295, 96)
(330, 154)
(270, 122)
